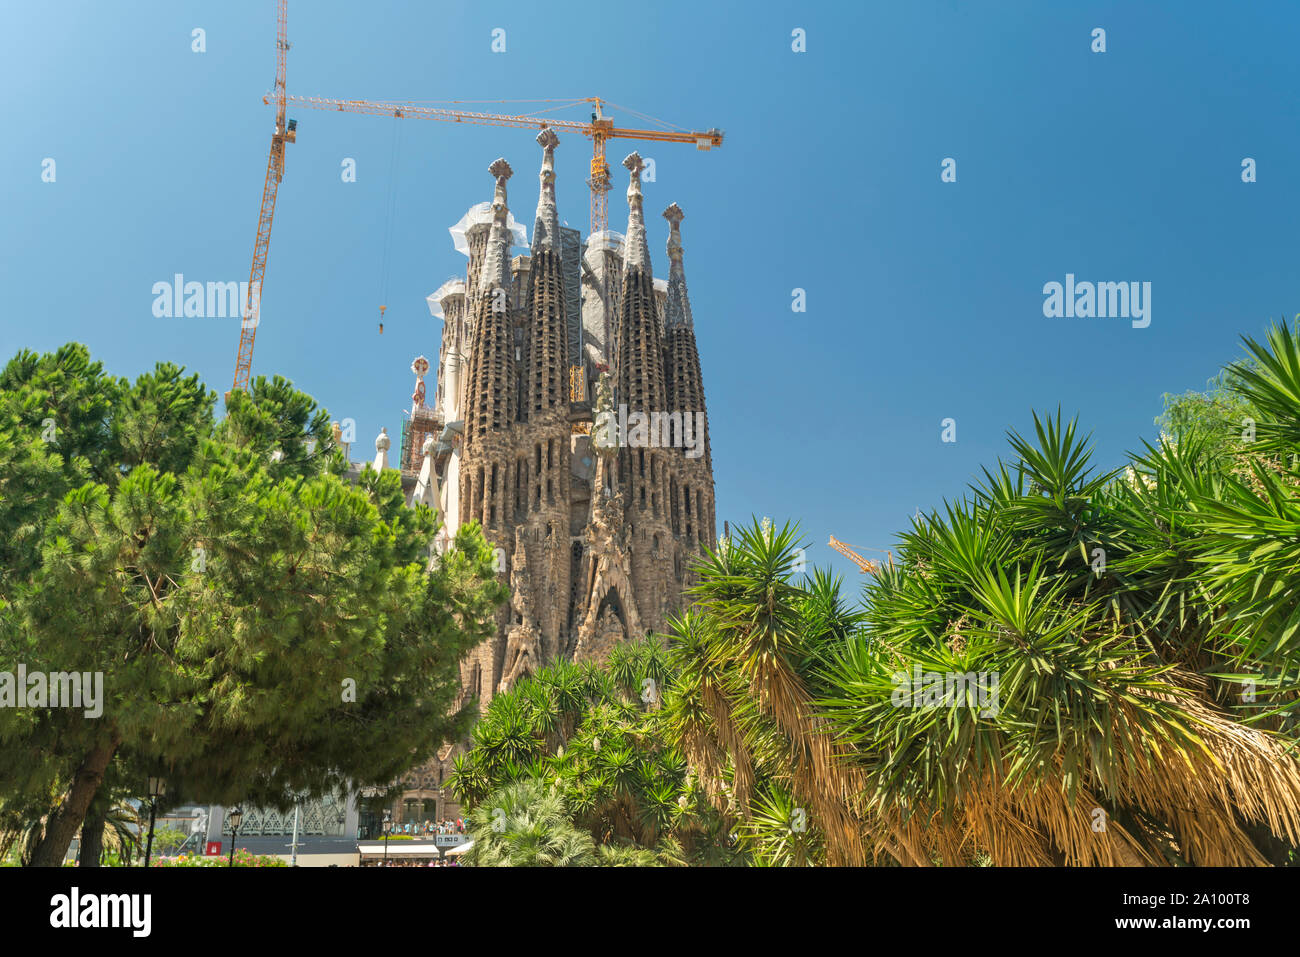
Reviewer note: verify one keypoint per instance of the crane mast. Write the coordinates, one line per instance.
(284, 133)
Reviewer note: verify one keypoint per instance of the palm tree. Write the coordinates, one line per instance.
(1068, 666)
(743, 712)
(526, 825)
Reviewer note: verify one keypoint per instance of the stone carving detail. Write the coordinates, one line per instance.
(523, 652)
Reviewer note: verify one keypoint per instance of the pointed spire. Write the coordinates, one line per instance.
(678, 311)
(635, 251)
(546, 230)
(496, 263)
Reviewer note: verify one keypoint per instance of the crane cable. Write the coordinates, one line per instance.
(388, 225)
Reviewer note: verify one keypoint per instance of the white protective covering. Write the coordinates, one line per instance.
(606, 239)
(452, 286)
(482, 214)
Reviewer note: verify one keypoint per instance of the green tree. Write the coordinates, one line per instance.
(263, 627)
(1127, 644)
(597, 734)
(525, 824)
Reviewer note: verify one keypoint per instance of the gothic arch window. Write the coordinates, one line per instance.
(614, 603)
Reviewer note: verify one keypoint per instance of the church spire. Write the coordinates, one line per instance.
(546, 229)
(678, 310)
(635, 251)
(491, 402)
(496, 262)
(686, 393)
(546, 362)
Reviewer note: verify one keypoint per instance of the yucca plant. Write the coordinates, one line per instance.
(1043, 677)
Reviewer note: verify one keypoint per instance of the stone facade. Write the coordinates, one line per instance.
(595, 527)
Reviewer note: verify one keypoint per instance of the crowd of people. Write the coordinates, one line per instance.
(428, 828)
(424, 828)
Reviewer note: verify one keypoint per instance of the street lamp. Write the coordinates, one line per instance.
(235, 816)
(388, 829)
(157, 788)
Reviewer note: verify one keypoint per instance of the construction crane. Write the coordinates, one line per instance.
(867, 566)
(600, 129)
(284, 133)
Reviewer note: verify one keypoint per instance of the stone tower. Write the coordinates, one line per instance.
(572, 430)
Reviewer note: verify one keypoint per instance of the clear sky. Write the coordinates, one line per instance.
(924, 298)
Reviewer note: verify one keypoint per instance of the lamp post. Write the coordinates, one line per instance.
(157, 788)
(293, 847)
(388, 829)
(235, 816)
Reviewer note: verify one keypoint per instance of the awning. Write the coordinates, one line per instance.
(460, 849)
(373, 849)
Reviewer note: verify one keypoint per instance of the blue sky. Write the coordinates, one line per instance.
(924, 298)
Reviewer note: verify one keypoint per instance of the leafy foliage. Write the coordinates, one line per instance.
(1068, 666)
(595, 735)
(263, 627)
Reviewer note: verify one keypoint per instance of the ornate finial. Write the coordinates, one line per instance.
(502, 171)
(427, 448)
(495, 265)
(636, 251)
(634, 162)
(547, 227)
(674, 215)
(635, 165)
(337, 431)
(421, 368)
(382, 441)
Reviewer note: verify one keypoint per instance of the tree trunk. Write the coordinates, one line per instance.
(63, 823)
(92, 831)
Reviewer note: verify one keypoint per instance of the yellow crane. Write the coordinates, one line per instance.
(867, 566)
(285, 132)
(600, 129)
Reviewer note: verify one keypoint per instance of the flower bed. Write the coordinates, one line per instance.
(243, 858)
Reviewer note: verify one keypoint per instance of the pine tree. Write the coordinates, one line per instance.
(263, 627)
